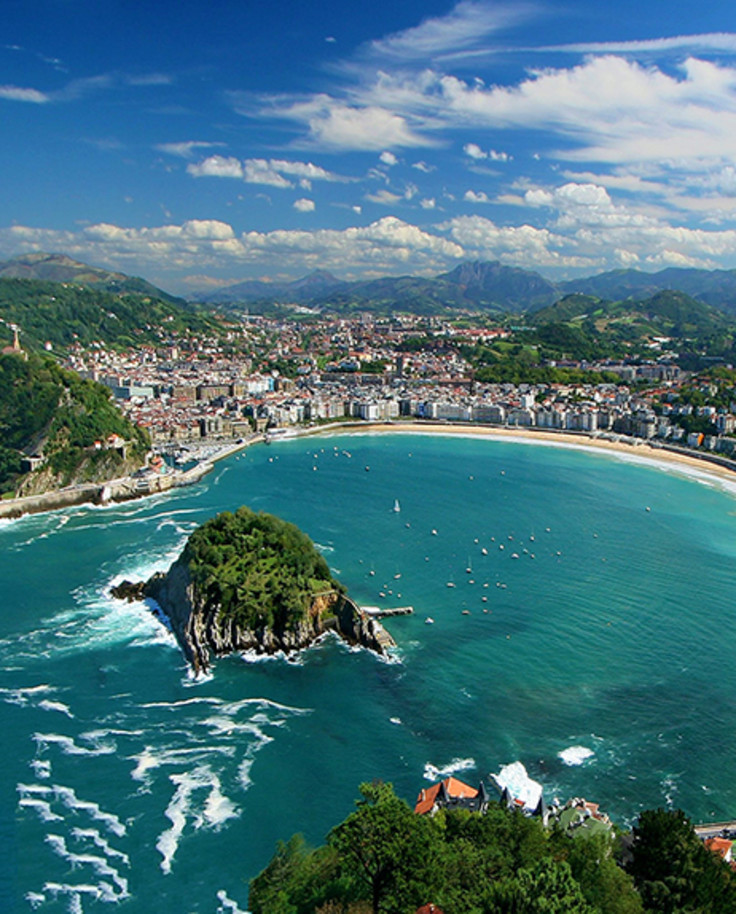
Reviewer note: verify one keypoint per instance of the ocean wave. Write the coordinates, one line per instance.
(217, 809)
(227, 904)
(23, 696)
(59, 706)
(42, 807)
(514, 778)
(436, 773)
(99, 864)
(575, 755)
(69, 798)
(91, 834)
(69, 747)
(41, 767)
(151, 759)
(35, 899)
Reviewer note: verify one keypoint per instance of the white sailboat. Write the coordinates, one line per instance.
(397, 506)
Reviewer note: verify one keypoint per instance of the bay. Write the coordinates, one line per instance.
(602, 657)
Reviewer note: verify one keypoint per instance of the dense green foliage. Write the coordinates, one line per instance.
(42, 406)
(673, 869)
(62, 314)
(385, 859)
(259, 569)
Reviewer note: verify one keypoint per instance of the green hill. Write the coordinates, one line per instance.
(60, 268)
(258, 569)
(47, 410)
(65, 313)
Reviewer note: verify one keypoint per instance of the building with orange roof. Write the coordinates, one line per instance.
(451, 794)
(720, 846)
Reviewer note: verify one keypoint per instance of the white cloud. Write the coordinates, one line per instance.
(18, 94)
(713, 41)
(423, 167)
(304, 205)
(385, 246)
(186, 149)
(388, 158)
(474, 151)
(216, 167)
(466, 26)
(261, 171)
(470, 196)
(384, 197)
(428, 203)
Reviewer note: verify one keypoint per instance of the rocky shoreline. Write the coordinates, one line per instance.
(201, 632)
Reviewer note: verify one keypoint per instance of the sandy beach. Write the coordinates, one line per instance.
(636, 449)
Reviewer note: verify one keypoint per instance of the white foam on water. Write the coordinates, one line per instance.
(69, 747)
(150, 758)
(434, 773)
(182, 702)
(69, 798)
(218, 808)
(227, 904)
(325, 549)
(23, 697)
(42, 807)
(575, 755)
(180, 807)
(47, 705)
(91, 834)
(99, 864)
(102, 892)
(41, 767)
(35, 899)
(244, 772)
(515, 779)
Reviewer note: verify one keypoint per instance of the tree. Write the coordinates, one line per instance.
(387, 850)
(674, 871)
(548, 888)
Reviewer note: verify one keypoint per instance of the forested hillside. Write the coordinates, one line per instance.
(47, 410)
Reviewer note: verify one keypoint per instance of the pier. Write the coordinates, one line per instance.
(376, 612)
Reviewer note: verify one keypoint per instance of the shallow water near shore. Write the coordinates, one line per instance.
(600, 654)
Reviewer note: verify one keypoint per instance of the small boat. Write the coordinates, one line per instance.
(397, 506)
(484, 551)
(450, 584)
(434, 532)
(466, 612)
(429, 621)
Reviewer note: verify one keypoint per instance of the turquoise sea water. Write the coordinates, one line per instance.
(126, 783)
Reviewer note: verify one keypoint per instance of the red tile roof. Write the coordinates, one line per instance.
(455, 788)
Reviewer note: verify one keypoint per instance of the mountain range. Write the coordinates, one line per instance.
(478, 286)
(481, 285)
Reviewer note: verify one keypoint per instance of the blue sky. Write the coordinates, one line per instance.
(199, 144)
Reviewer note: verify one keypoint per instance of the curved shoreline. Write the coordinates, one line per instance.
(689, 463)
(708, 467)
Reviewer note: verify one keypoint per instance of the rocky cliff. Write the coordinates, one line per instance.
(203, 630)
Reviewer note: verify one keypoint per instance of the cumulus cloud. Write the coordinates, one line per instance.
(470, 196)
(383, 246)
(261, 171)
(304, 205)
(388, 158)
(216, 167)
(428, 203)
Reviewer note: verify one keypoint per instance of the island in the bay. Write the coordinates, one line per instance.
(250, 581)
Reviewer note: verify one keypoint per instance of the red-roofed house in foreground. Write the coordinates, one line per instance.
(452, 794)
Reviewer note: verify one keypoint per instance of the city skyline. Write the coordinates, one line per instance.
(199, 147)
